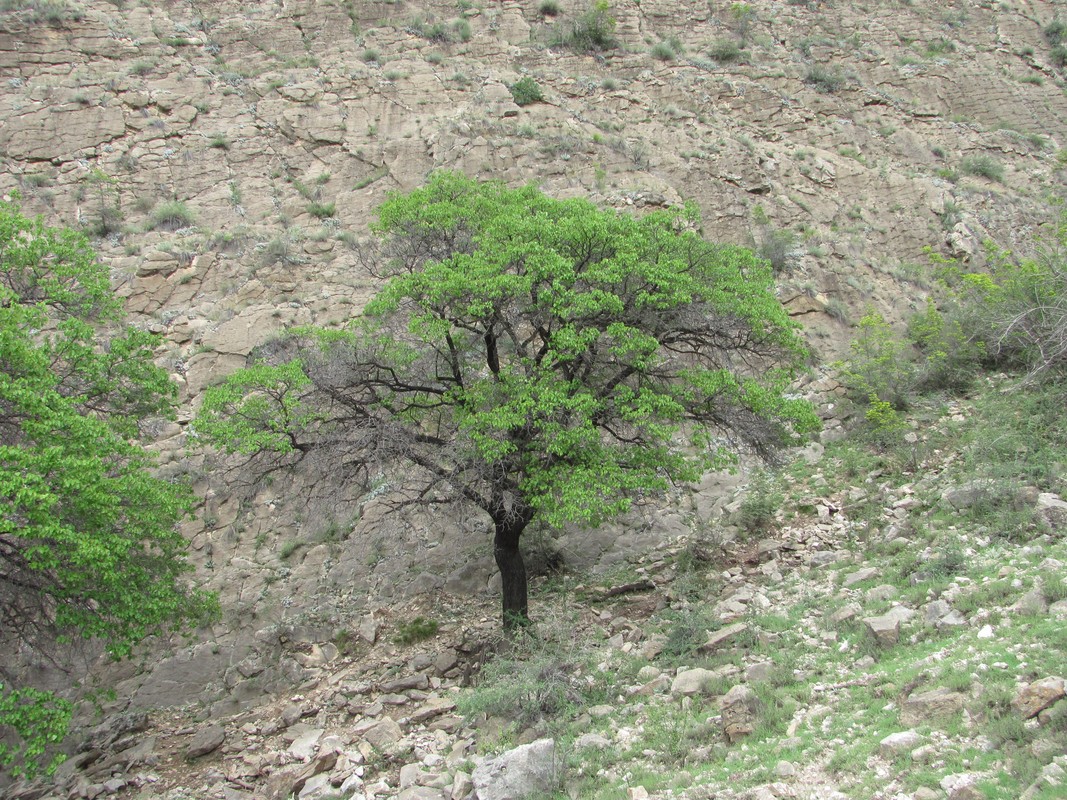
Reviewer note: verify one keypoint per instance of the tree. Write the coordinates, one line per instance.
(88, 545)
(532, 357)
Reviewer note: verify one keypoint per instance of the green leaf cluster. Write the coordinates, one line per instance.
(88, 544)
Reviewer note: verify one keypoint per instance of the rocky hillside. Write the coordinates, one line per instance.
(227, 159)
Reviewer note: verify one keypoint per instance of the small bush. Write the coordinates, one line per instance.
(983, 166)
(592, 31)
(322, 210)
(219, 142)
(825, 79)
(880, 364)
(1059, 55)
(780, 248)
(1056, 32)
(526, 91)
(549, 8)
(417, 630)
(761, 503)
(170, 216)
(726, 51)
(661, 51)
(371, 56)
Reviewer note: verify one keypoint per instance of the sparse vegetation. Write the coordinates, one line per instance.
(591, 31)
(416, 630)
(825, 79)
(983, 166)
(170, 216)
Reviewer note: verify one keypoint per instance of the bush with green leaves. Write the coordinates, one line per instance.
(880, 364)
(592, 31)
(170, 216)
(825, 79)
(526, 91)
(88, 541)
(983, 166)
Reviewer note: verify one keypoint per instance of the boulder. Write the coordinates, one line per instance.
(1034, 698)
(528, 771)
(691, 682)
(740, 707)
(717, 639)
(927, 706)
(885, 629)
(896, 743)
(205, 741)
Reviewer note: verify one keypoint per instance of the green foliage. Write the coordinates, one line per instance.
(880, 365)
(537, 358)
(321, 210)
(549, 8)
(170, 216)
(417, 630)
(39, 721)
(950, 358)
(88, 543)
(526, 91)
(1014, 315)
(726, 51)
(762, 501)
(885, 422)
(983, 166)
(666, 50)
(458, 30)
(592, 31)
(779, 246)
(1056, 32)
(825, 79)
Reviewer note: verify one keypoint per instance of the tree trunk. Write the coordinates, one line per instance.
(512, 570)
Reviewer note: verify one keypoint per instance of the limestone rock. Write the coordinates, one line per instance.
(205, 741)
(528, 771)
(860, 575)
(896, 743)
(717, 639)
(1053, 510)
(691, 682)
(932, 705)
(1034, 698)
(383, 734)
(740, 707)
(885, 629)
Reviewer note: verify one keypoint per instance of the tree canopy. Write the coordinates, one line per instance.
(88, 544)
(533, 357)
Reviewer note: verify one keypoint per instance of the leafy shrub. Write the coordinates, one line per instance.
(825, 79)
(950, 358)
(761, 503)
(590, 32)
(1056, 32)
(780, 248)
(321, 210)
(170, 216)
(662, 51)
(417, 630)
(526, 91)
(880, 365)
(549, 8)
(1017, 310)
(726, 51)
(983, 166)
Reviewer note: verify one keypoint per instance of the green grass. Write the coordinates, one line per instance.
(170, 216)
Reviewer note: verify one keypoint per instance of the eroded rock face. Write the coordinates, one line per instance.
(528, 771)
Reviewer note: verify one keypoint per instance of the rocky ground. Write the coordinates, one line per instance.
(862, 624)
